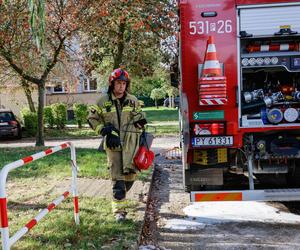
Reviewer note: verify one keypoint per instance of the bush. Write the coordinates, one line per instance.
(80, 113)
(60, 114)
(48, 116)
(30, 121)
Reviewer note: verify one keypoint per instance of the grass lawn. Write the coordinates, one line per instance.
(162, 114)
(163, 130)
(90, 162)
(58, 231)
(69, 133)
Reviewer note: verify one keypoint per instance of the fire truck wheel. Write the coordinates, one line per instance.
(293, 177)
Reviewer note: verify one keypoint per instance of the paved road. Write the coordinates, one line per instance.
(159, 144)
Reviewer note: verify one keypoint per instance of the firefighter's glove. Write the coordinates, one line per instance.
(112, 136)
(140, 123)
(107, 129)
(113, 140)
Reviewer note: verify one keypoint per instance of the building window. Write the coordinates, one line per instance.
(93, 85)
(58, 88)
(89, 85)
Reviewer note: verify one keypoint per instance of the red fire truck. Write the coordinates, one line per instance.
(240, 99)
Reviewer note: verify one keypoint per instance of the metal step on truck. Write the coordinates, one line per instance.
(240, 99)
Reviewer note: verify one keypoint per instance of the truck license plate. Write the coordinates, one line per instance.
(212, 141)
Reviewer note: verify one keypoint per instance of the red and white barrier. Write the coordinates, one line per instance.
(7, 241)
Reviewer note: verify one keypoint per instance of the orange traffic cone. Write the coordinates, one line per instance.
(211, 65)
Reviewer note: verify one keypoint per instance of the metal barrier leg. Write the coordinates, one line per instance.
(7, 242)
(4, 224)
(74, 184)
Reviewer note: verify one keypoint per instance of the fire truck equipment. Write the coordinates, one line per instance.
(287, 90)
(212, 65)
(275, 116)
(291, 114)
(273, 47)
(212, 85)
(296, 95)
(268, 101)
(254, 95)
(274, 98)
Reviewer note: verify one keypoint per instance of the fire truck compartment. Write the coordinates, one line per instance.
(270, 82)
(270, 19)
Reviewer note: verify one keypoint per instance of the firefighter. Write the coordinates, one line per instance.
(118, 118)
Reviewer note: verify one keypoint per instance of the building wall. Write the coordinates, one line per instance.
(14, 98)
(71, 98)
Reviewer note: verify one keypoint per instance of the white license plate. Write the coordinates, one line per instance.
(3, 123)
(212, 141)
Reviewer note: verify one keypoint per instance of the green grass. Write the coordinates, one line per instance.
(163, 130)
(70, 133)
(58, 231)
(162, 114)
(90, 162)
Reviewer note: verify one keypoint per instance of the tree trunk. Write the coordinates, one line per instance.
(27, 92)
(40, 129)
(156, 105)
(121, 44)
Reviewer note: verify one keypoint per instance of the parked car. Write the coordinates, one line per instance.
(176, 101)
(9, 125)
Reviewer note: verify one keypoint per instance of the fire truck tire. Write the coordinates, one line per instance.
(293, 178)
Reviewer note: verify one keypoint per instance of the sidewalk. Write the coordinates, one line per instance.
(101, 188)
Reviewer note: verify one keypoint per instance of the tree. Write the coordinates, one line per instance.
(156, 94)
(131, 32)
(172, 92)
(8, 75)
(33, 61)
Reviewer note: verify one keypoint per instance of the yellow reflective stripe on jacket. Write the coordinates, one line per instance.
(119, 205)
(114, 133)
(127, 109)
(96, 108)
(112, 109)
(98, 128)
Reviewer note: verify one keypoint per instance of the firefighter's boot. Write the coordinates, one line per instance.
(119, 209)
(120, 217)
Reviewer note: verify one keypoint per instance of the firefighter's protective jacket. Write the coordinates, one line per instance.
(122, 116)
